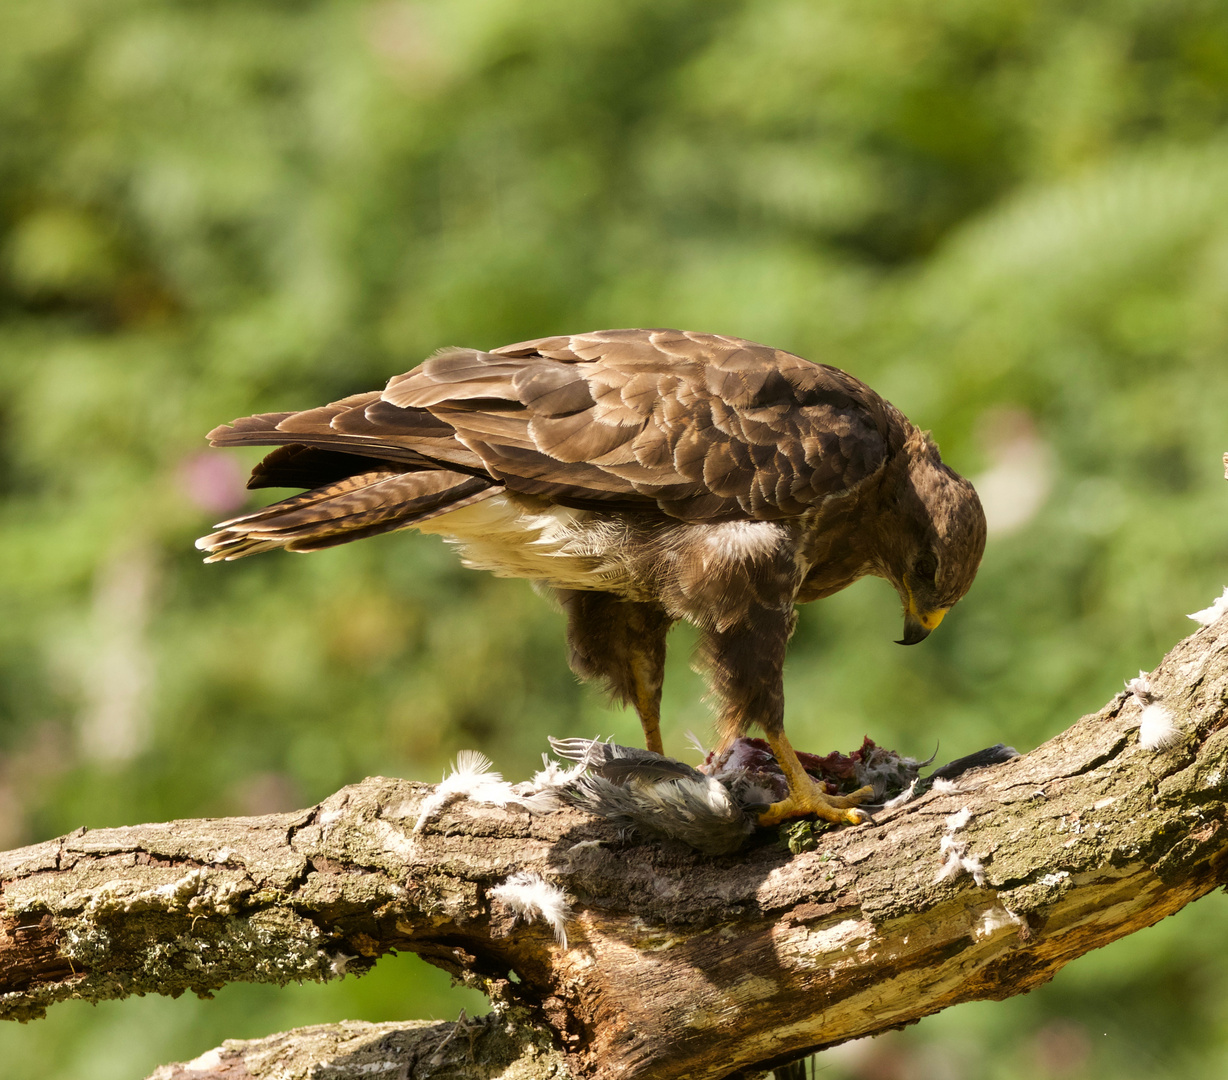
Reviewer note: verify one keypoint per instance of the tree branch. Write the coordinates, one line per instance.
(676, 964)
(506, 1047)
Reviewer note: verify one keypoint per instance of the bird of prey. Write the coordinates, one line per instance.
(643, 477)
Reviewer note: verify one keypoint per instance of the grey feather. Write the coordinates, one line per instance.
(656, 796)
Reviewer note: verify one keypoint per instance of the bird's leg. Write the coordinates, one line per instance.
(622, 643)
(746, 669)
(646, 676)
(806, 795)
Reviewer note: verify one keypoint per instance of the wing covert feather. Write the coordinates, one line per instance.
(703, 426)
(700, 426)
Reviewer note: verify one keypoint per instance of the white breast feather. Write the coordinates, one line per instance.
(511, 536)
(738, 541)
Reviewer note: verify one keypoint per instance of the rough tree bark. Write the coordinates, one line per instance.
(676, 964)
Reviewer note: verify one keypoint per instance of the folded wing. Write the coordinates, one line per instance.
(697, 426)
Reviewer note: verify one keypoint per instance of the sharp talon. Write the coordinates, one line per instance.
(814, 800)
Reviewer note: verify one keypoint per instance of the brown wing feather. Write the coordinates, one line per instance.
(364, 425)
(707, 426)
(700, 426)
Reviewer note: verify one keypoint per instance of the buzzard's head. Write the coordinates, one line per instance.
(935, 540)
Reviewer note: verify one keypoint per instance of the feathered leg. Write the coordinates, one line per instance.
(745, 666)
(622, 643)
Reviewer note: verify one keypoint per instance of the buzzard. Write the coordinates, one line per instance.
(642, 477)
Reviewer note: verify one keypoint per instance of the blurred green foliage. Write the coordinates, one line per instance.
(1008, 217)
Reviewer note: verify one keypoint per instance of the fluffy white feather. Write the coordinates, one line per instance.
(959, 820)
(697, 745)
(994, 919)
(1213, 613)
(552, 776)
(957, 861)
(1157, 728)
(905, 796)
(531, 897)
(471, 778)
(738, 541)
(338, 962)
(955, 852)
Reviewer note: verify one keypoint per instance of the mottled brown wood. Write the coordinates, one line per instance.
(491, 1048)
(677, 964)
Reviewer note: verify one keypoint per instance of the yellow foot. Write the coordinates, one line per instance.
(812, 799)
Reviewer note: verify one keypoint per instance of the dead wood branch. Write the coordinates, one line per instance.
(677, 964)
(508, 1047)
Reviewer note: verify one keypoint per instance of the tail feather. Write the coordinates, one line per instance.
(365, 504)
(356, 426)
(371, 467)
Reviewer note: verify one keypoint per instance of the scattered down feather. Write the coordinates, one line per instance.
(471, 778)
(1158, 728)
(1217, 610)
(531, 897)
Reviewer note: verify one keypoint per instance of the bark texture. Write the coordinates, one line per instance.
(492, 1048)
(676, 964)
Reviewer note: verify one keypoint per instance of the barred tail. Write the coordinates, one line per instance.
(365, 504)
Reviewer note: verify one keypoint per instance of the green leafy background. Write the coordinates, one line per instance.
(1010, 218)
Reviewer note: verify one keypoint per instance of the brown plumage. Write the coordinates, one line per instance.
(645, 476)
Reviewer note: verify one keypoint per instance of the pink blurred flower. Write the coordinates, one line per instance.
(213, 482)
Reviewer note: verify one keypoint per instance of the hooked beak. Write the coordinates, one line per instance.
(918, 624)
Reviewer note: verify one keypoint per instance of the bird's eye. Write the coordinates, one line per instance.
(926, 567)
